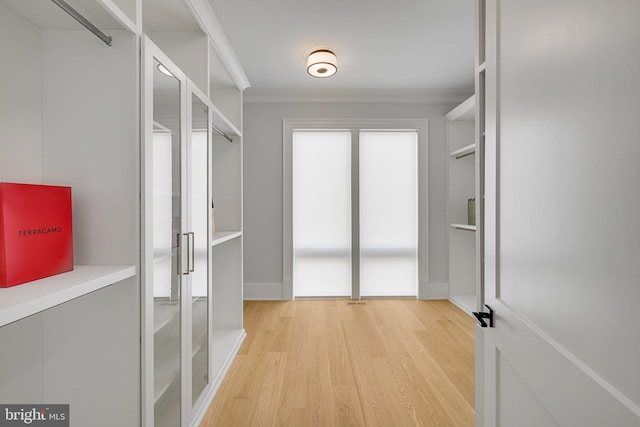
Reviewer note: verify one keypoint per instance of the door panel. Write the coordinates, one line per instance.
(561, 180)
(368, 207)
(388, 211)
(322, 214)
(167, 248)
(563, 386)
(519, 405)
(177, 198)
(199, 208)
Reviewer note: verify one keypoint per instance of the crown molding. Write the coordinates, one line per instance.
(208, 21)
(352, 96)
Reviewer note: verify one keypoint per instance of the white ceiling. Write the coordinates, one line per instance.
(382, 45)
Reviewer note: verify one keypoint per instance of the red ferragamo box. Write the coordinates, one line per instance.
(36, 236)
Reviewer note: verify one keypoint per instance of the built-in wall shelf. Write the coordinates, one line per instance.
(222, 122)
(163, 314)
(464, 151)
(224, 236)
(466, 110)
(30, 298)
(461, 185)
(463, 227)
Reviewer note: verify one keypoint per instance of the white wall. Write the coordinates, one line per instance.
(263, 212)
(84, 121)
(21, 92)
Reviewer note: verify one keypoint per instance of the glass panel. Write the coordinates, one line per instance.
(322, 214)
(199, 208)
(166, 250)
(388, 213)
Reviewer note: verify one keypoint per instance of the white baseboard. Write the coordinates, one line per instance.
(263, 291)
(274, 291)
(198, 416)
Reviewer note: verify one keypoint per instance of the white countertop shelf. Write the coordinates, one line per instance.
(224, 236)
(464, 151)
(464, 227)
(24, 300)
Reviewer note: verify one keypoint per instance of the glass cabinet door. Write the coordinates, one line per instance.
(167, 245)
(199, 208)
(177, 254)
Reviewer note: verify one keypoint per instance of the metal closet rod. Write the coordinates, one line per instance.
(227, 137)
(81, 19)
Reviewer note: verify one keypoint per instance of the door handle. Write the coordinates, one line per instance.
(482, 315)
(188, 254)
(193, 252)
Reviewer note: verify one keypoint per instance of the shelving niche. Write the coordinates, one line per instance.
(462, 186)
(69, 114)
(227, 242)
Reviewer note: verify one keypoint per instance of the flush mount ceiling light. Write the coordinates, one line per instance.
(322, 63)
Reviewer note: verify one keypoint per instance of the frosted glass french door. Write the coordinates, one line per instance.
(388, 185)
(322, 214)
(355, 213)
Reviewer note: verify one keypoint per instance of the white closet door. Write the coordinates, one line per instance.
(562, 240)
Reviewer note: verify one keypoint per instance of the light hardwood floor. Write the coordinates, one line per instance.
(330, 363)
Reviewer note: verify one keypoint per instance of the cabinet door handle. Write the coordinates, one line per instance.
(188, 253)
(193, 251)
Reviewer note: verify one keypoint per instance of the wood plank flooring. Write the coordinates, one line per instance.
(330, 363)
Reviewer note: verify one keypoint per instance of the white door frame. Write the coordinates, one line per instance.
(355, 125)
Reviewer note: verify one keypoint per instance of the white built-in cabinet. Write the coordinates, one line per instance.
(462, 179)
(192, 258)
(75, 111)
(69, 115)
(466, 180)
(192, 277)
